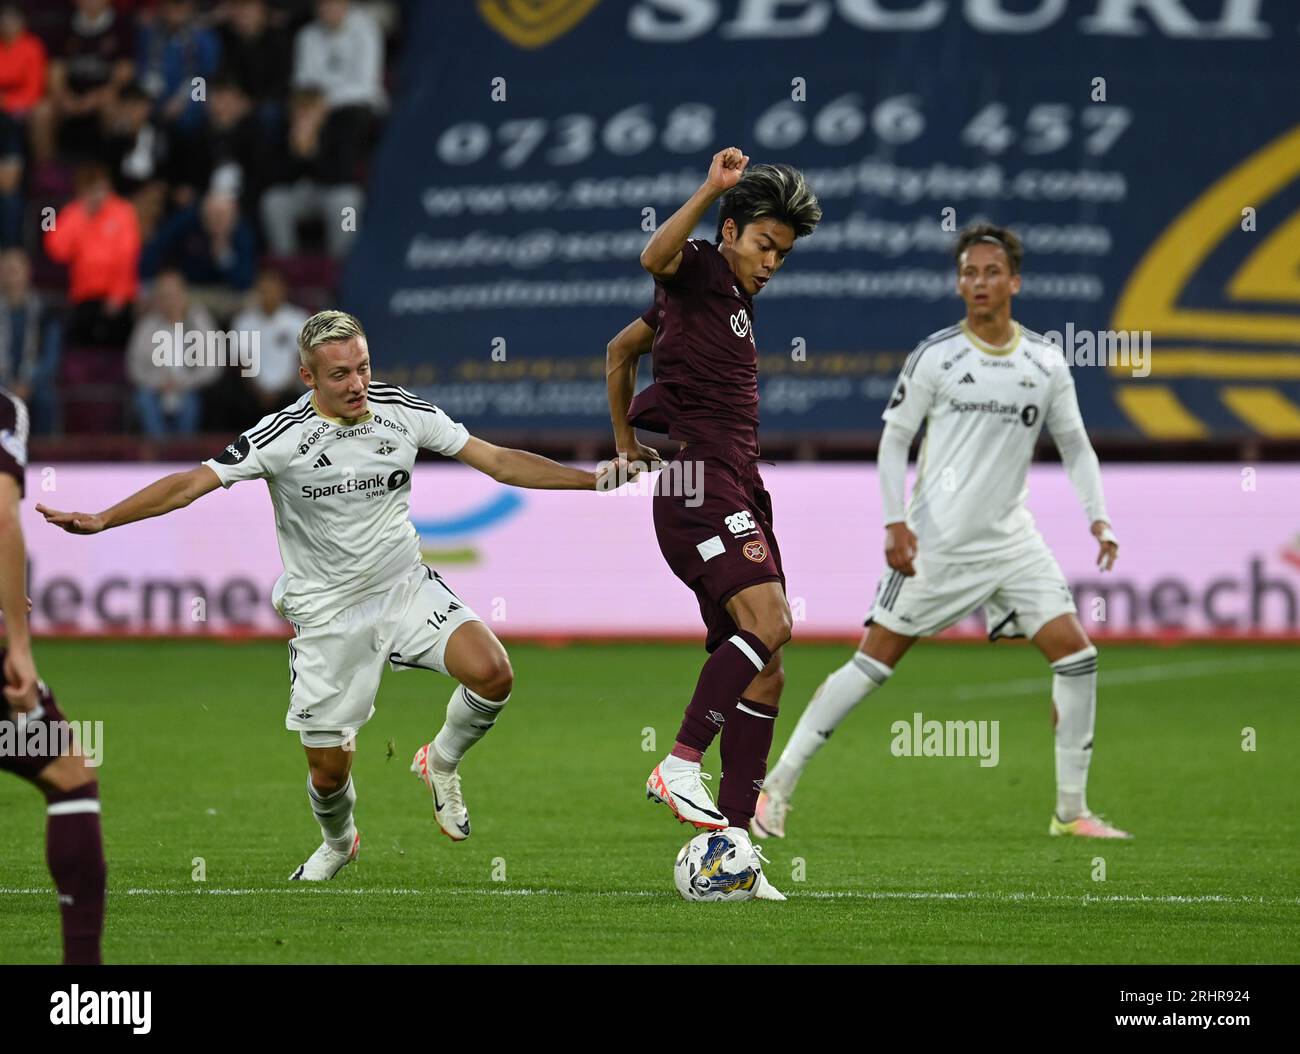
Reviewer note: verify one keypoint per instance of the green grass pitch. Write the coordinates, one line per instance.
(902, 859)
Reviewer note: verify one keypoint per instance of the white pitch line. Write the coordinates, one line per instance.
(992, 896)
(1124, 675)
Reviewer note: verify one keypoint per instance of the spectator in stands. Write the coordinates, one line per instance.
(228, 157)
(177, 56)
(89, 65)
(98, 237)
(136, 151)
(341, 55)
(304, 187)
(167, 391)
(30, 337)
(277, 323)
(211, 245)
(22, 86)
(257, 56)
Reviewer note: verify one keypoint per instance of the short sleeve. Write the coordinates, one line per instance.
(437, 432)
(650, 316)
(693, 272)
(240, 460)
(914, 391)
(13, 438)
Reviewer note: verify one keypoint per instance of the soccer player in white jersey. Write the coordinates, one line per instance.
(984, 388)
(338, 464)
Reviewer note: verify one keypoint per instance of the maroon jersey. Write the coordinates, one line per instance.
(13, 437)
(705, 358)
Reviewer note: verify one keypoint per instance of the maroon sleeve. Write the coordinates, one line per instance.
(693, 271)
(13, 438)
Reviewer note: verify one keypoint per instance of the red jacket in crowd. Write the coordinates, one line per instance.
(102, 250)
(22, 73)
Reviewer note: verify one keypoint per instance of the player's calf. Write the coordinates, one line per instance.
(74, 845)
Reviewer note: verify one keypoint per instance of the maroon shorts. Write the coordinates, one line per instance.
(718, 540)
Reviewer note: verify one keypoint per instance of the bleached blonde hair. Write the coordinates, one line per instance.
(326, 327)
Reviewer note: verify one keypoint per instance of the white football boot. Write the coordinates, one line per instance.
(448, 802)
(679, 785)
(326, 862)
(765, 891)
(769, 815)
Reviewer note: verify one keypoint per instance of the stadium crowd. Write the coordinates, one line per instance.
(176, 162)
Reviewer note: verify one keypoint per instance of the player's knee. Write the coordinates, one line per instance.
(774, 627)
(328, 779)
(66, 773)
(493, 679)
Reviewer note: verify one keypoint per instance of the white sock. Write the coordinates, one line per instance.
(469, 716)
(1074, 693)
(830, 705)
(334, 814)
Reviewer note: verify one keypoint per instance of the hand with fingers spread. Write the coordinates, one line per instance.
(73, 522)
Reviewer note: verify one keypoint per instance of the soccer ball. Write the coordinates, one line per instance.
(714, 866)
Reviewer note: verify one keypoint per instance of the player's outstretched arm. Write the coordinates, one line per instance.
(160, 497)
(621, 355)
(663, 252)
(520, 468)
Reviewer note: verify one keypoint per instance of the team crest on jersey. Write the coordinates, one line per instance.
(755, 551)
(386, 447)
(740, 323)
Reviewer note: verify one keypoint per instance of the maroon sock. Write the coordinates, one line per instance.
(727, 673)
(74, 850)
(746, 740)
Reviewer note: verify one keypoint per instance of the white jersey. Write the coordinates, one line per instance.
(341, 494)
(984, 408)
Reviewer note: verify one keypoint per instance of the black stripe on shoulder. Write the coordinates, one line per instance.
(913, 360)
(284, 427)
(410, 404)
(396, 392)
(300, 414)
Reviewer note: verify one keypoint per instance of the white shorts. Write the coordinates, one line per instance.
(1020, 594)
(334, 669)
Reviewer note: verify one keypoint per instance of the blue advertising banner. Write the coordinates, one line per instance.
(1146, 151)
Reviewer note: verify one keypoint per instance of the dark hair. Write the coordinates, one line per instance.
(776, 192)
(1003, 237)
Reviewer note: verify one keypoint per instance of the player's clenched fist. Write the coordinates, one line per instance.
(72, 522)
(727, 168)
(900, 548)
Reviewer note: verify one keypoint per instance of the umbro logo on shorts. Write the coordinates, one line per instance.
(966, 379)
(321, 462)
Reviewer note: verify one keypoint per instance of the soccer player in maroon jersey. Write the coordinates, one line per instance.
(74, 848)
(720, 542)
